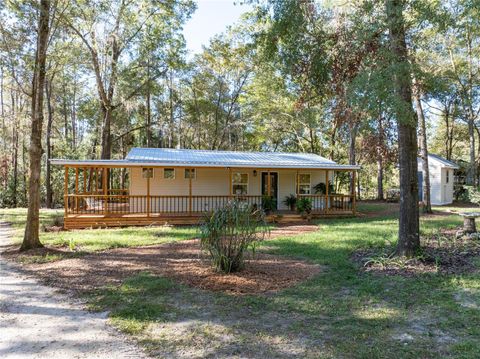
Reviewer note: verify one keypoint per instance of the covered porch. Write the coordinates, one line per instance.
(100, 195)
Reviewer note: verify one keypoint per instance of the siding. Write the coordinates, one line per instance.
(216, 182)
(441, 192)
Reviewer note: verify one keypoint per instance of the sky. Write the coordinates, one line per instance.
(210, 18)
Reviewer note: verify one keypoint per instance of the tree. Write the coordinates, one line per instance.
(408, 234)
(31, 238)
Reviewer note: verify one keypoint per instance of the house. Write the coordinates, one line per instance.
(441, 179)
(158, 185)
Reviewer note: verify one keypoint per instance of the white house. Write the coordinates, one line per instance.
(441, 179)
(158, 185)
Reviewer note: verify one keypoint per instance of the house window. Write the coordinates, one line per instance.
(448, 176)
(147, 172)
(240, 183)
(190, 173)
(169, 173)
(304, 183)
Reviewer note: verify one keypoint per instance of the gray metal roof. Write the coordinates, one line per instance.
(203, 158)
(182, 157)
(443, 161)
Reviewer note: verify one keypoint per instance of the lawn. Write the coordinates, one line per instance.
(343, 312)
(90, 240)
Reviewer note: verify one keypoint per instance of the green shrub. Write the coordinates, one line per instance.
(228, 232)
(321, 188)
(290, 201)
(304, 205)
(472, 195)
(269, 204)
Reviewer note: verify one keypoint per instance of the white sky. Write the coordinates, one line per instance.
(210, 18)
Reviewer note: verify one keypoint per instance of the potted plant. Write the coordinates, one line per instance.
(290, 201)
(304, 207)
(321, 188)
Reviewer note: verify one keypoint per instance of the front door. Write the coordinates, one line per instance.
(273, 185)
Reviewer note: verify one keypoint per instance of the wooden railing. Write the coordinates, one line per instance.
(123, 204)
(142, 204)
(333, 203)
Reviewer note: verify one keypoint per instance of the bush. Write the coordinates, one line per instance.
(290, 201)
(321, 188)
(304, 205)
(269, 204)
(471, 195)
(228, 232)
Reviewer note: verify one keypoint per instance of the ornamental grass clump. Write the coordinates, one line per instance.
(227, 233)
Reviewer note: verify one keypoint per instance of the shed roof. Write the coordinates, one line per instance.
(205, 158)
(443, 162)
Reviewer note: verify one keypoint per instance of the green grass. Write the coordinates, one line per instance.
(90, 240)
(342, 312)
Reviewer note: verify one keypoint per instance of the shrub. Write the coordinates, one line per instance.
(304, 205)
(472, 195)
(290, 201)
(269, 204)
(228, 232)
(321, 188)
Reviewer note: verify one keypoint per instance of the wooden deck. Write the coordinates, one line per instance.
(80, 221)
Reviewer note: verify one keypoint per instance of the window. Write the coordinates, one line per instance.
(169, 173)
(240, 183)
(304, 185)
(448, 176)
(147, 172)
(189, 173)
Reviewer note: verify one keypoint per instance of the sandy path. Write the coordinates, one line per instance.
(36, 322)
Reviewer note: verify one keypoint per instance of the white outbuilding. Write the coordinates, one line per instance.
(441, 179)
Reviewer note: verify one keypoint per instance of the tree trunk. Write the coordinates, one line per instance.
(106, 133)
(380, 195)
(48, 176)
(473, 165)
(352, 153)
(31, 238)
(427, 204)
(408, 234)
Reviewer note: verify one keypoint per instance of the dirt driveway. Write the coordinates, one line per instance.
(37, 322)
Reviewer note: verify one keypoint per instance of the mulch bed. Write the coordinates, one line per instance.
(182, 261)
(441, 253)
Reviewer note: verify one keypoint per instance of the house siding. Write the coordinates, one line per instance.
(216, 181)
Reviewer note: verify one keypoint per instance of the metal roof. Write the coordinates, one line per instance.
(204, 158)
(442, 161)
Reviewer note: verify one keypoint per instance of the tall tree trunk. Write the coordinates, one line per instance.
(48, 176)
(380, 195)
(473, 165)
(148, 105)
(352, 152)
(106, 133)
(31, 238)
(427, 204)
(408, 234)
(15, 150)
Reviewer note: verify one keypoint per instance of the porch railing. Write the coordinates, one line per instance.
(124, 204)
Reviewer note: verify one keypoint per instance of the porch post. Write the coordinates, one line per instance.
(84, 180)
(65, 195)
(354, 196)
(327, 191)
(296, 184)
(148, 193)
(105, 191)
(269, 184)
(230, 183)
(76, 188)
(190, 193)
